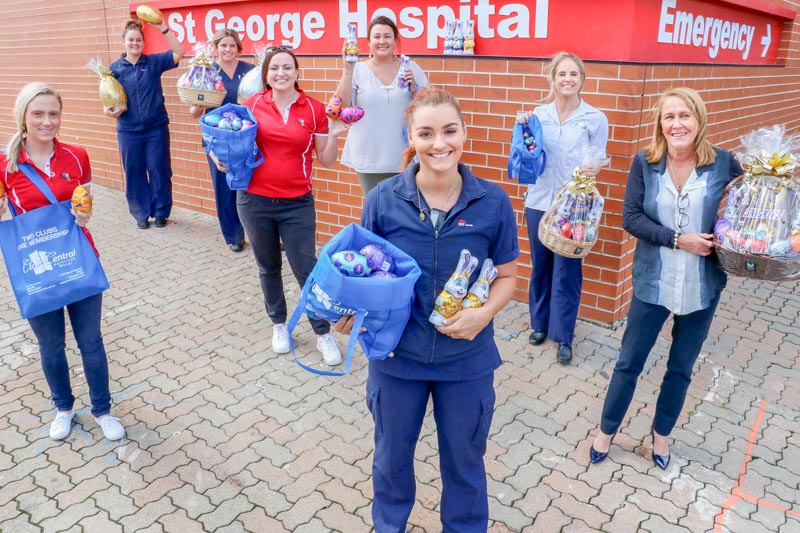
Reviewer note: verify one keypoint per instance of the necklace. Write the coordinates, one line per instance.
(677, 181)
(446, 200)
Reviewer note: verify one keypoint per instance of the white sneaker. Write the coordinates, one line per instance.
(280, 338)
(61, 424)
(112, 429)
(330, 351)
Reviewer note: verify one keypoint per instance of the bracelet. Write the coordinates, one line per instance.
(165, 31)
(675, 236)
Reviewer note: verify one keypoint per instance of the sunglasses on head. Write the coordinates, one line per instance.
(281, 48)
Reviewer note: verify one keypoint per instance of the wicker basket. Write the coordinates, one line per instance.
(757, 266)
(559, 244)
(205, 98)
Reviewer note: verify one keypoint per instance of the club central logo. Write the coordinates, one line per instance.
(38, 261)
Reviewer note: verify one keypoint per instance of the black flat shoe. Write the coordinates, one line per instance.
(598, 457)
(142, 224)
(661, 461)
(537, 337)
(160, 222)
(236, 246)
(564, 354)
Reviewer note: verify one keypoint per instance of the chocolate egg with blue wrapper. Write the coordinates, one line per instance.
(351, 263)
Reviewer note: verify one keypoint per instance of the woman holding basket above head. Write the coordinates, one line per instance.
(568, 124)
(142, 130)
(228, 47)
(432, 211)
(671, 201)
(278, 206)
(373, 86)
(35, 151)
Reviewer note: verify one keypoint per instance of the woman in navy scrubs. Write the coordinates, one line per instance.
(142, 130)
(432, 211)
(228, 47)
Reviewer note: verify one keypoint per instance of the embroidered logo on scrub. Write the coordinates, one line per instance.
(462, 223)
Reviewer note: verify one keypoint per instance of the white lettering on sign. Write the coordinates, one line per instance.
(688, 29)
(413, 21)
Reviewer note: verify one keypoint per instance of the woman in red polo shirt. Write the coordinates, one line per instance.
(62, 167)
(278, 206)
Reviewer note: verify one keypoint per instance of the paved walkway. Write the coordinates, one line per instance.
(223, 435)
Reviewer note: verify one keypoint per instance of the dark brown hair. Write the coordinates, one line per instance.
(272, 52)
(132, 25)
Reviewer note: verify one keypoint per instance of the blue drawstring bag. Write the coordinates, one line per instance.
(381, 305)
(236, 149)
(49, 259)
(524, 164)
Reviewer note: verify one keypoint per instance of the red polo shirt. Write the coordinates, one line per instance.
(287, 147)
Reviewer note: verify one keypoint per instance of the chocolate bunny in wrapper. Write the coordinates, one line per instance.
(449, 300)
(759, 212)
(479, 291)
(111, 91)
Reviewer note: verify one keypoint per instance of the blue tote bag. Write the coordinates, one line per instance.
(237, 149)
(48, 257)
(527, 164)
(382, 306)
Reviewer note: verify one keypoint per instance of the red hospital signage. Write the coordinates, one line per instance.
(654, 31)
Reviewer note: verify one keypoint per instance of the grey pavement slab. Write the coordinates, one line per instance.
(225, 435)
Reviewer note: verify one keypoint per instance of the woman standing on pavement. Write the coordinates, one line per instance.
(568, 123)
(62, 167)
(372, 85)
(432, 211)
(142, 130)
(278, 206)
(674, 189)
(228, 47)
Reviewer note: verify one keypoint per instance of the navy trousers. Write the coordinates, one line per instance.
(148, 172)
(268, 222)
(228, 216)
(554, 293)
(50, 331)
(645, 320)
(463, 413)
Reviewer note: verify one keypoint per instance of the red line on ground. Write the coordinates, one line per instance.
(765, 503)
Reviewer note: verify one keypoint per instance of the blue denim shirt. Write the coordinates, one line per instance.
(142, 84)
(482, 221)
(640, 218)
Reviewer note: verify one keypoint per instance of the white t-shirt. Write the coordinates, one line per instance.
(375, 143)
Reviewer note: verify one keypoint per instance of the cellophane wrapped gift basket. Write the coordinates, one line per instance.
(251, 82)
(757, 232)
(569, 228)
(201, 84)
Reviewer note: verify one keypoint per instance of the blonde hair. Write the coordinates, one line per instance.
(24, 98)
(704, 150)
(427, 96)
(553, 67)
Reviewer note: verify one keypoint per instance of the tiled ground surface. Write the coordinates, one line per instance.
(223, 435)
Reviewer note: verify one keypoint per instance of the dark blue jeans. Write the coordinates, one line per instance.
(227, 214)
(463, 412)
(645, 320)
(49, 329)
(148, 172)
(554, 294)
(268, 222)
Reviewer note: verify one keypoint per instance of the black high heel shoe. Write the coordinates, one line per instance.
(598, 457)
(661, 461)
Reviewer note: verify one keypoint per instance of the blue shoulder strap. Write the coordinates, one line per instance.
(37, 180)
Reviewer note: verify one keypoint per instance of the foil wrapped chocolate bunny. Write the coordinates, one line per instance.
(351, 44)
(479, 291)
(449, 300)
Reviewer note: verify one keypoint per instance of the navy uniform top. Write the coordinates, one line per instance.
(482, 221)
(142, 84)
(232, 84)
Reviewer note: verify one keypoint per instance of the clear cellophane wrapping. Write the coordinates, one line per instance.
(251, 82)
(111, 91)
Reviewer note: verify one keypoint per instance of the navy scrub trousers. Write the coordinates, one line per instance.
(463, 412)
(689, 332)
(228, 216)
(554, 293)
(148, 172)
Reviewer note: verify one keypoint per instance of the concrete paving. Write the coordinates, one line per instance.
(224, 435)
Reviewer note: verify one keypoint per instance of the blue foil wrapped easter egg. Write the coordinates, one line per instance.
(377, 258)
(780, 247)
(351, 263)
(224, 124)
(212, 119)
(209, 86)
(721, 228)
(236, 124)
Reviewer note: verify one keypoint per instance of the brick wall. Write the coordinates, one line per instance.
(51, 40)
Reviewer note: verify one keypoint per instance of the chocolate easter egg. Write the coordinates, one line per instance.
(334, 108)
(81, 199)
(352, 114)
(351, 263)
(149, 14)
(2, 190)
(566, 230)
(377, 258)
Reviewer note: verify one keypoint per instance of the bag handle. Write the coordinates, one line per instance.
(37, 180)
(351, 344)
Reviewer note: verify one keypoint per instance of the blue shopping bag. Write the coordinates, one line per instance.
(525, 164)
(380, 305)
(237, 149)
(48, 257)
